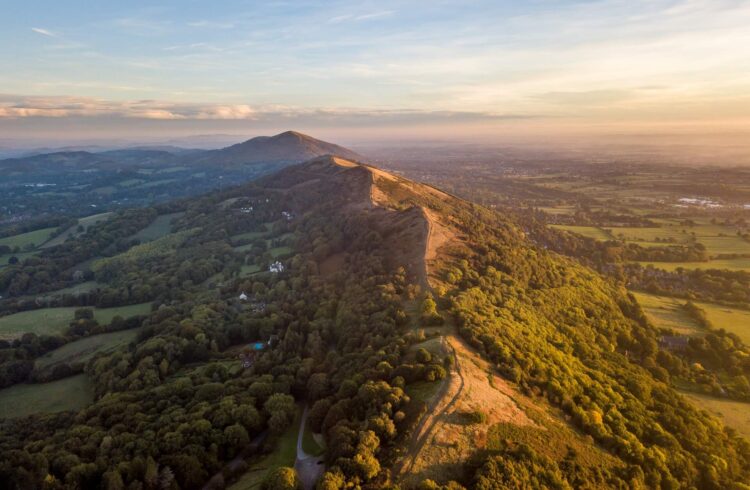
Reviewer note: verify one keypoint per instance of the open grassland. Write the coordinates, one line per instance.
(34, 238)
(82, 350)
(284, 454)
(656, 234)
(158, 228)
(247, 270)
(73, 230)
(734, 414)
(588, 231)
(250, 235)
(80, 288)
(666, 312)
(55, 320)
(70, 393)
(732, 320)
(280, 251)
(742, 264)
(20, 256)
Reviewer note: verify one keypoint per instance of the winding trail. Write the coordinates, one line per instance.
(426, 425)
(309, 468)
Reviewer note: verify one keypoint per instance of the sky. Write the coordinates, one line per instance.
(369, 70)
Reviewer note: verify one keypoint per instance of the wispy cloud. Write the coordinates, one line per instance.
(360, 17)
(43, 32)
(16, 107)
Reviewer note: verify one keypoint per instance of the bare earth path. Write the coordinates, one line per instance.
(437, 407)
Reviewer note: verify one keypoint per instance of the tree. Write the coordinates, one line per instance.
(281, 409)
(282, 478)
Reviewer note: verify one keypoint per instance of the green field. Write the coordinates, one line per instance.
(284, 454)
(666, 312)
(651, 234)
(55, 320)
(250, 235)
(20, 256)
(732, 320)
(158, 228)
(729, 264)
(83, 287)
(73, 230)
(588, 231)
(279, 251)
(82, 350)
(246, 270)
(71, 393)
(35, 238)
(734, 414)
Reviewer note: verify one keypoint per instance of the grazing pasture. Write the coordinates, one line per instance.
(34, 238)
(666, 312)
(733, 413)
(55, 320)
(588, 231)
(85, 348)
(21, 400)
(158, 228)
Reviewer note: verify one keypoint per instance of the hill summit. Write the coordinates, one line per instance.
(286, 147)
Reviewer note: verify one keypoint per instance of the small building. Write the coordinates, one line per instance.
(674, 342)
(243, 296)
(276, 267)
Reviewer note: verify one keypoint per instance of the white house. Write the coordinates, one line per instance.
(243, 296)
(276, 267)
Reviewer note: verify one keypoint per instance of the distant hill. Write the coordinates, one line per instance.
(284, 148)
(287, 147)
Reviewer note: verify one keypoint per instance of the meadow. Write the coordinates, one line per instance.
(55, 320)
(72, 393)
(33, 239)
(85, 348)
(73, 230)
(158, 228)
(740, 264)
(733, 413)
(667, 312)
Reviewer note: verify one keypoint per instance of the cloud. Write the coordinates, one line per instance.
(18, 107)
(43, 32)
(356, 18)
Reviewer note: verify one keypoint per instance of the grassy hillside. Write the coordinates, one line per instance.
(71, 393)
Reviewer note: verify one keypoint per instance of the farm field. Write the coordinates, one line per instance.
(246, 270)
(20, 256)
(82, 350)
(279, 251)
(54, 320)
(72, 231)
(284, 454)
(158, 228)
(732, 320)
(742, 264)
(83, 287)
(588, 231)
(71, 393)
(733, 413)
(666, 312)
(35, 238)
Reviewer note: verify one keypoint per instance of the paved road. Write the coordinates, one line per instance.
(309, 468)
